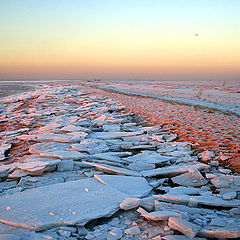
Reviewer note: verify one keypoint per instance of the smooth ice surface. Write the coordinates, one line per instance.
(132, 186)
(74, 202)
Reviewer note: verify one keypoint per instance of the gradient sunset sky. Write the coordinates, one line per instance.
(120, 39)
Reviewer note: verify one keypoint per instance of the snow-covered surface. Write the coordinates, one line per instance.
(222, 96)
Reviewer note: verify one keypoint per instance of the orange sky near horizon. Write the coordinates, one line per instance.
(77, 44)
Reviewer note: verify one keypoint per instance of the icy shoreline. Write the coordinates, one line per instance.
(225, 107)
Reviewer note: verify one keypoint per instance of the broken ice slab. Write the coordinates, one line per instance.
(198, 200)
(153, 129)
(179, 153)
(48, 147)
(137, 140)
(115, 135)
(166, 147)
(81, 135)
(150, 157)
(224, 170)
(107, 156)
(172, 146)
(157, 138)
(184, 210)
(185, 159)
(143, 147)
(48, 128)
(107, 162)
(117, 121)
(190, 179)
(115, 170)
(131, 186)
(65, 165)
(70, 203)
(117, 154)
(158, 215)
(148, 203)
(115, 234)
(91, 146)
(116, 108)
(129, 203)
(73, 128)
(207, 155)
(64, 155)
(175, 170)
(139, 166)
(170, 137)
(35, 157)
(185, 190)
(221, 232)
(34, 168)
(16, 132)
(210, 175)
(52, 137)
(236, 180)
(223, 181)
(111, 127)
(229, 195)
(183, 226)
(132, 231)
(26, 137)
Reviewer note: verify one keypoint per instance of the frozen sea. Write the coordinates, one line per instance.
(205, 113)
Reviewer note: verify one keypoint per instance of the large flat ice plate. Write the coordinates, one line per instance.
(75, 202)
(132, 186)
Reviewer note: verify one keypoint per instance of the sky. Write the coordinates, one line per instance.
(120, 39)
